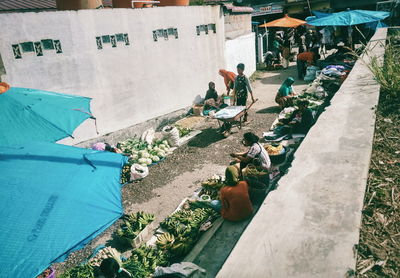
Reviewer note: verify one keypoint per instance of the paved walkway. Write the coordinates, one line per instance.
(307, 227)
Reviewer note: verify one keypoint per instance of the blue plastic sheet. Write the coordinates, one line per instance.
(53, 200)
(33, 115)
(348, 18)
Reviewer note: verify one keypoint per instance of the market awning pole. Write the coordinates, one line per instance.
(266, 33)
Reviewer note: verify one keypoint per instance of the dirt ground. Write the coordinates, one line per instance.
(203, 156)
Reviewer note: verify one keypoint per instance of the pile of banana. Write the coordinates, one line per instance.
(273, 150)
(105, 253)
(144, 261)
(133, 224)
(183, 230)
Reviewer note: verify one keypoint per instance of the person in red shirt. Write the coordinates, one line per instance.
(229, 79)
(235, 200)
(306, 59)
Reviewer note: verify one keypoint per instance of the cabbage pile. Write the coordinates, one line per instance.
(143, 153)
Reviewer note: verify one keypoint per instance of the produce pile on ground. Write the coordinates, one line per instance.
(144, 261)
(143, 153)
(140, 152)
(212, 186)
(183, 229)
(80, 271)
(133, 224)
(183, 131)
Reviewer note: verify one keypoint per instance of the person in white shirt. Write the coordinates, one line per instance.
(256, 155)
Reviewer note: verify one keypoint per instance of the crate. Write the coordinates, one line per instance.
(143, 236)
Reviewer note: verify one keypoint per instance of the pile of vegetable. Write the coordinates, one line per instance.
(143, 153)
(80, 271)
(274, 150)
(212, 186)
(144, 261)
(133, 224)
(183, 131)
(183, 230)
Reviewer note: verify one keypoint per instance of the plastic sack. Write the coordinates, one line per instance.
(171, 134)
(148, 136)
(183, 269)
(138, 172)
(310, 73)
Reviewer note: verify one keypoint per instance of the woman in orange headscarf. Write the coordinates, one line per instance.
(229, 79)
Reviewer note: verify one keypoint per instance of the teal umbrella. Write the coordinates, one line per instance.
(348, 18)
(28, 115)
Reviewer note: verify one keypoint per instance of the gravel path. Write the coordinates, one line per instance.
(205, 155)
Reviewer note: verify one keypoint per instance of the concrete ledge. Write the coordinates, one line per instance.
(308, 227)
(130, 132)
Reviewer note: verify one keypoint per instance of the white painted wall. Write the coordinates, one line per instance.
(128, 84)
(241, 50)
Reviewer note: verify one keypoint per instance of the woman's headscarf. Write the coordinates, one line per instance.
(228, 76)
(286, 85)
(231, 175)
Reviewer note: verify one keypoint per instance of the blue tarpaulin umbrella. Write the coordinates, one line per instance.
(316, 15)
(53, 199)
(348, 18)
(375, 25)
(34, 115)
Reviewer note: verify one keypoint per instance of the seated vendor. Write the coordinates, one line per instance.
(305, 59)
(234, 196)
(301, 120)
(285, 93)
(211, 101)
(256, 154)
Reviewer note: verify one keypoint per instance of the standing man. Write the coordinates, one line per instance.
(241, 88)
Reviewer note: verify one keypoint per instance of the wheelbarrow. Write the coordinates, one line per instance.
(231, 116)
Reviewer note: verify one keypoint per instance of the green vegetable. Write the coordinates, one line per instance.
(80, 271)
(142, 161)
(155, 158)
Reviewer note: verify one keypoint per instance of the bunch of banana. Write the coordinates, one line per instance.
(165, 241)
(273, 150)
(149, 257)
(182, 246)
(134, 223)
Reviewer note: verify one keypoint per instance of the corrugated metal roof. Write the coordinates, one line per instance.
(27, 5)
(12, 5)
(238, 9)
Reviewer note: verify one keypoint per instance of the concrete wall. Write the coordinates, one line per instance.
(129, 84)
(308, 227)
(237, 25)
(241, 50)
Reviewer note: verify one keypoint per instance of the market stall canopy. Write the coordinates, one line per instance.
(316, 15)
(375, 25)
(53, 200)
(348, 18)
(29, 115)
(285, 21)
